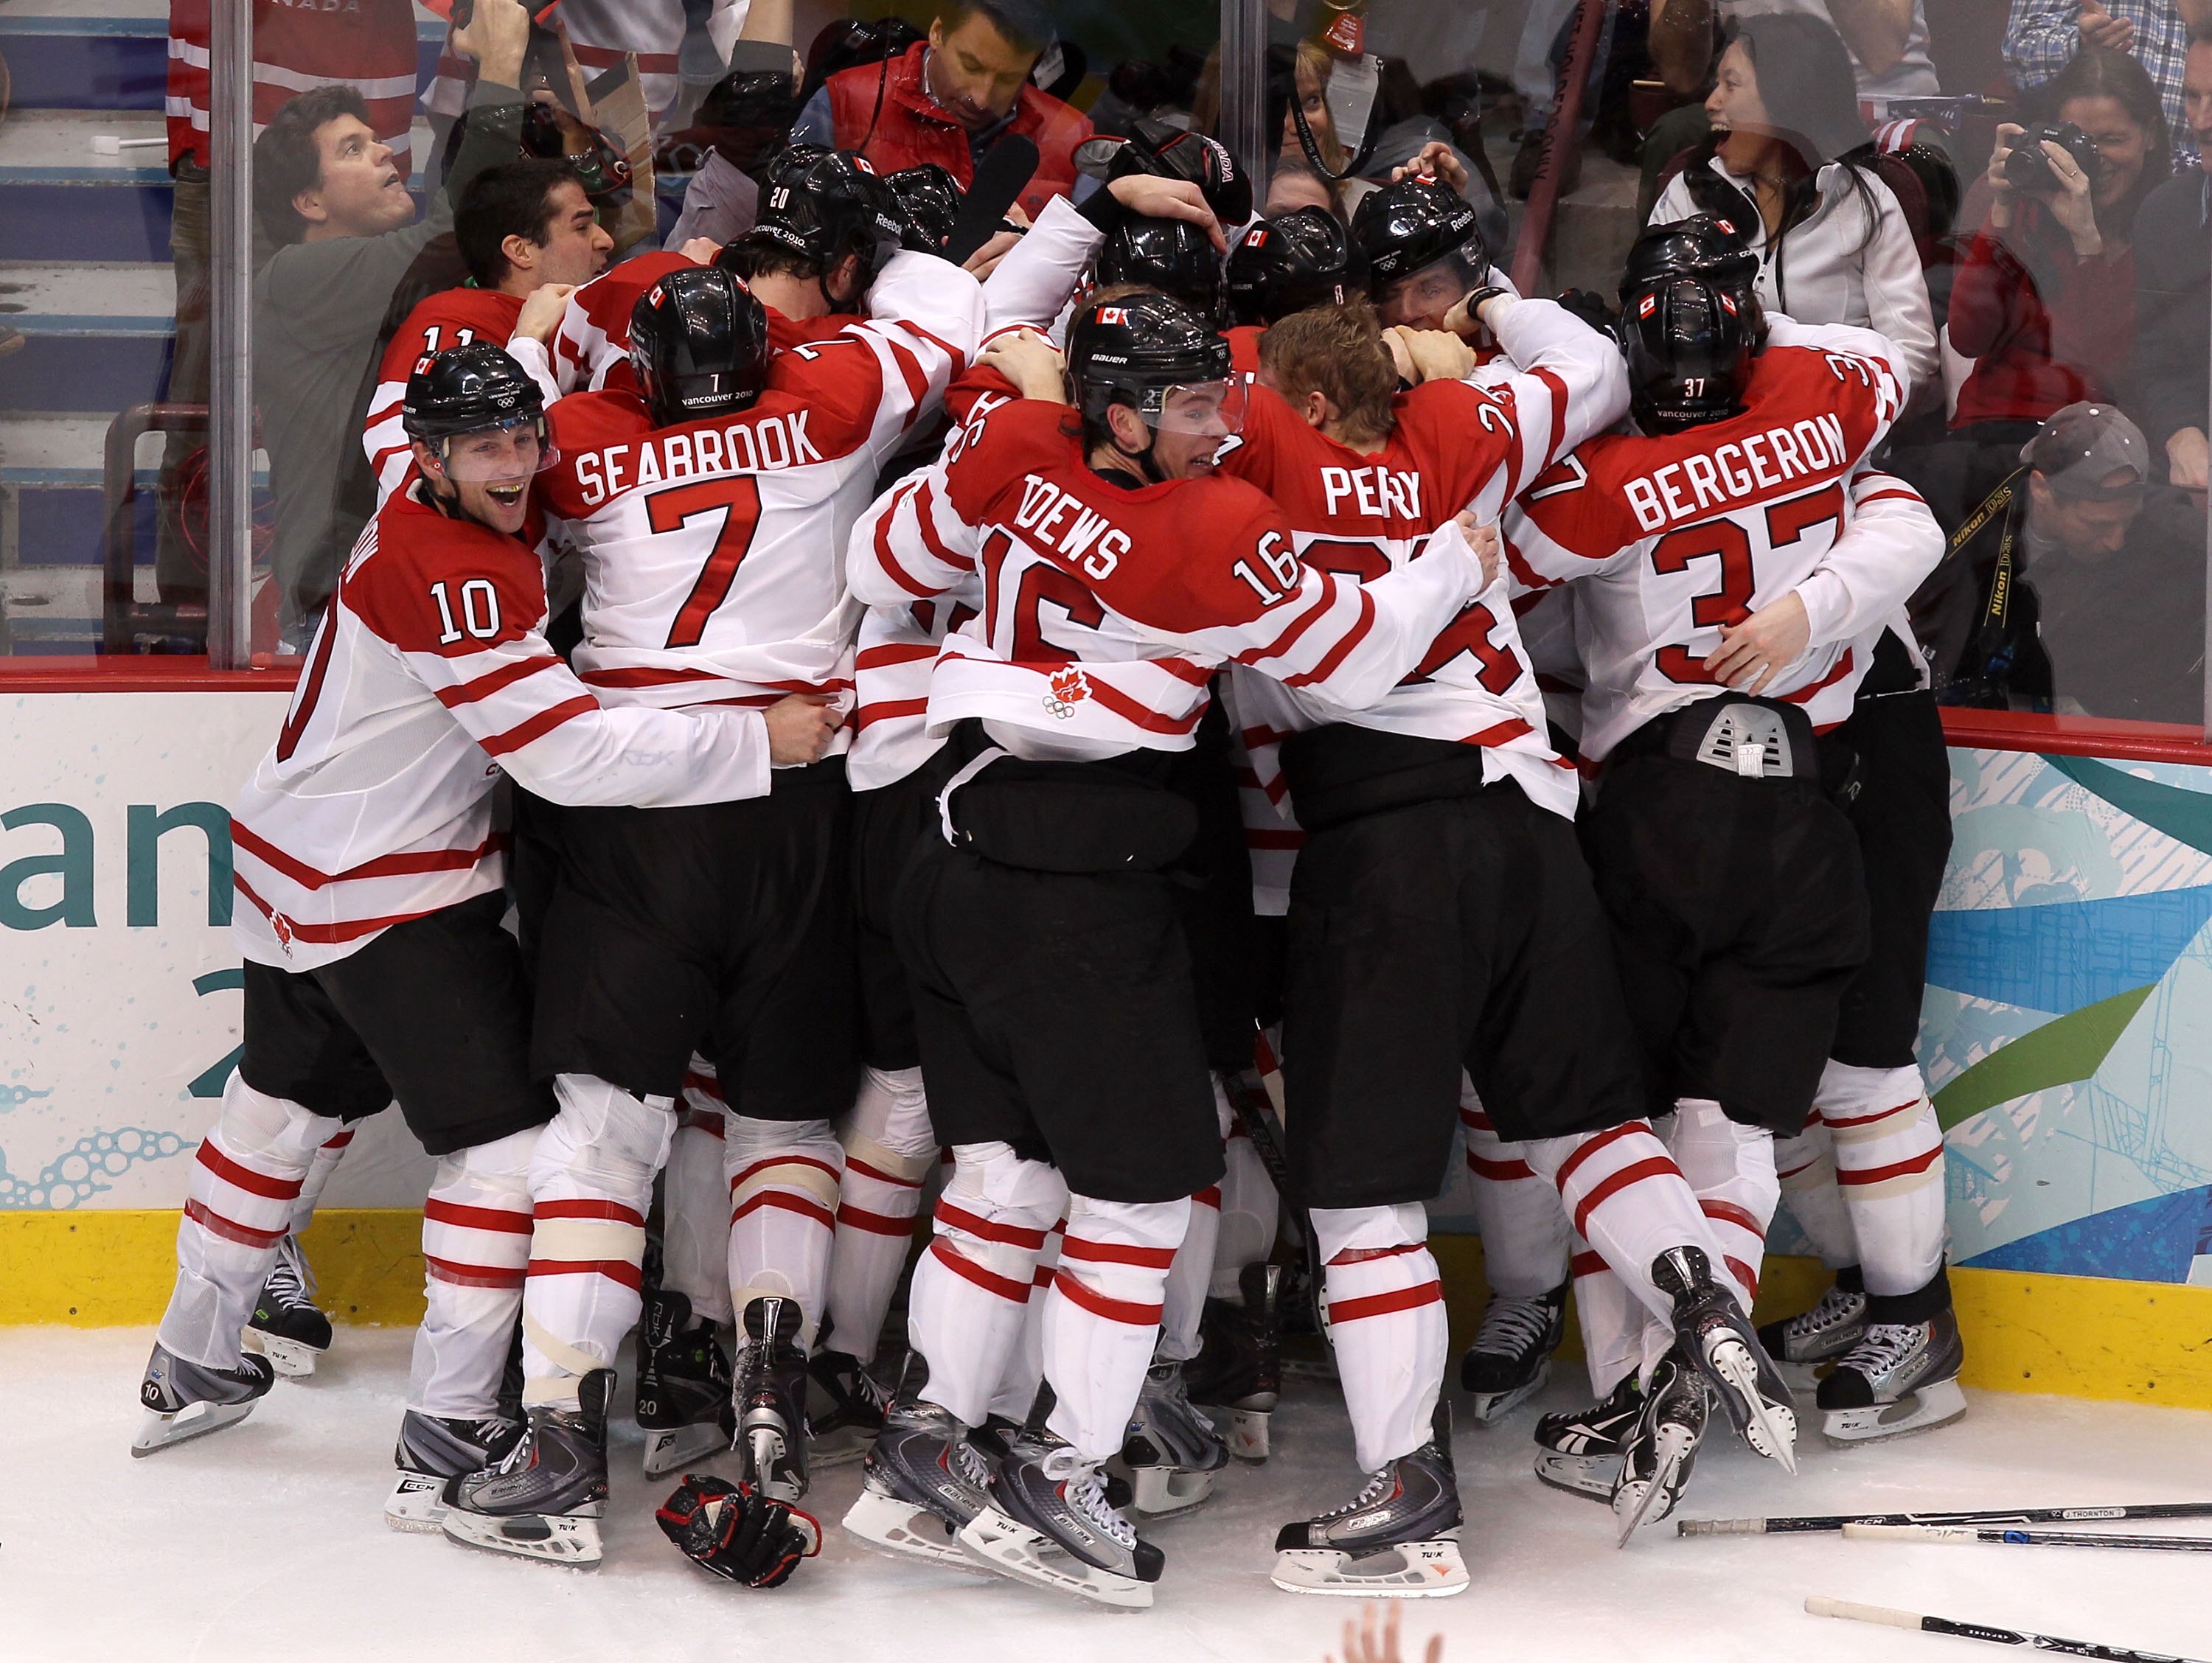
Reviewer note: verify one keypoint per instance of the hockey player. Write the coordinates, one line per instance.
(1439, 910)
(371, 878)
(525, 229)
(1423, 249)
(1052, 993)
(1738, 565)
(708, 511)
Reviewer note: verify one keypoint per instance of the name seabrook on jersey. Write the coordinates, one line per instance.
(763, 445)
(1735, 472)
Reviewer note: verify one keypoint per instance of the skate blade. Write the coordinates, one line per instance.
(766, 1469)
(1163, 1492)
(1247, 1432)
(668, 1448)
(561, 1539)
(292, 1359)
(1592, 1477)
(159, 1431)
(1650, 1503)
(1935, 1405)
(1018, 1551)
(909, 1531)
(1488, 1408)
(1770, 1428)
(417, 1503)
(1408, 1570)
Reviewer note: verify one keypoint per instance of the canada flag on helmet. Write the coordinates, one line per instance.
(423, 364)
(1650, 305)
(1113, 314)
(655, 295)
(1728, 301)
(1256, 237)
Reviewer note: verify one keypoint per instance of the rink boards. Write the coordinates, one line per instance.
(2067, 1034)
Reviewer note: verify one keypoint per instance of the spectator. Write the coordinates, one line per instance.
(1296, 185)
(949, 99)
(2087, 583)
(1834, 246)
(2044, 302)
(2173, 293)
(2042, 36)
(327, 194)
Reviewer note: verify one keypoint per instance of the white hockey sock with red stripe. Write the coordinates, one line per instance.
(695, 1213)
(1889, 1164)
(889, 1148)
(237, 1208)
(1196, 1261)
(1017, 1387)
(1627, 1198)
(1102, 1315)
(1806, 1165)
(1251, 1215)
(971, 1289)
(1524, 1230)
(1386, 1323)
(591, 1180)
(783, 1212)
(1731, 1169)
(1611, 1318)
(476, 1230)
(318, 1177)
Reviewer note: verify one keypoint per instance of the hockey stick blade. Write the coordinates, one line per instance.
(1000, 177)
(1969, 1533)
(1819, 1605)
(2017, 1515)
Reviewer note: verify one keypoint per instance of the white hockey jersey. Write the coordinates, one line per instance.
(428, 678)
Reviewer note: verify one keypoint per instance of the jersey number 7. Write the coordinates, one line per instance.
(737, 499)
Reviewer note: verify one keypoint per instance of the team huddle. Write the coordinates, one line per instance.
(1007, 717)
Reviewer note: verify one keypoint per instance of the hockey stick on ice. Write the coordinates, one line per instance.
(1957, 1533)
(1260, 1114)
(1817, 1604)
(1997, 1515)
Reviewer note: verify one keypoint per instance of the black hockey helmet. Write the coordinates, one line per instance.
(698, 344)
(1156, 149)
(1155, 355)
(1173, 255)
(1408, 227)
(825, 204)
(471, 389)
(1709, 245)
(1298, 259)
(930, 197)
(1688, 344)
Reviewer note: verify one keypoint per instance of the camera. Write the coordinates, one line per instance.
(2026, 168)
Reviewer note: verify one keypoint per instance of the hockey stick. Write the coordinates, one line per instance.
(1257, 1112)
(1819, 1605)
(1957, 1533)
(2018, 1516)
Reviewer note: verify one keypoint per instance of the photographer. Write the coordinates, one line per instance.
(2044, 300)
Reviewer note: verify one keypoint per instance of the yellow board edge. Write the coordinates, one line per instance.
(2139, 1342)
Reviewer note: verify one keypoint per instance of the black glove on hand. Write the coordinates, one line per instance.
(736, 1532)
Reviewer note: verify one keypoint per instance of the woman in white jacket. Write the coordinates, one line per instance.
(1834, 247)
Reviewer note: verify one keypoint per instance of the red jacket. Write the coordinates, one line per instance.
(912, 128)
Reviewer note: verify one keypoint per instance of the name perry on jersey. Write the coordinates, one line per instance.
(1051, 517)
(1736, 472)
(763, 445)
(1374, 493)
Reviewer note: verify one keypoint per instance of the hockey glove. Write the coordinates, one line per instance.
(736, 1532)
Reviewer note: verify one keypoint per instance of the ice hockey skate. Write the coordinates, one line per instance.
(924, 1482)
(1658, 1451)
(432, 1449)
(682, 1386)
(543, 1500)
(1901, 1377)
(1579, 1450)
(1711, 1328)
(1801, 1343)
(844, 1408)
(186, 1399)
(286, 1328)
(1238, 1368)
(770, 1401)
(1172, 1450)
(1398, 1538)
(1511, 1357)
(1049, 1523)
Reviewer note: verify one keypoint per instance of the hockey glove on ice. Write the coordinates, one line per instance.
(736, 1532)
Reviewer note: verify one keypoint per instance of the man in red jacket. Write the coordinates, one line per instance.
(949, 100)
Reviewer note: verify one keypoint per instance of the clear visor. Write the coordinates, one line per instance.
(514, 451)
(1215, 409)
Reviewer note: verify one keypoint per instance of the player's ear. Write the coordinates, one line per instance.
(521, 252)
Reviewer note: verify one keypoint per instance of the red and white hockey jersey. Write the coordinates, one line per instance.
(1108, 608)
(428, 678)
(1673, 537)
(451, 318)
(1456, 445)
(366, 46)
(600, 31)
(712, 549)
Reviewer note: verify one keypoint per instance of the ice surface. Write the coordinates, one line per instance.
(267, 1541)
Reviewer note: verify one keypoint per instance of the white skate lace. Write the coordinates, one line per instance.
(1837, 1308)
(1513, 1326)
(969, 1466)
(1086, 1494)
(1885, 1345)
(287, 1278)
(1379, 1486)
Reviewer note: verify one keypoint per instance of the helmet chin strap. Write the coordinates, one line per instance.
(451, 505)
